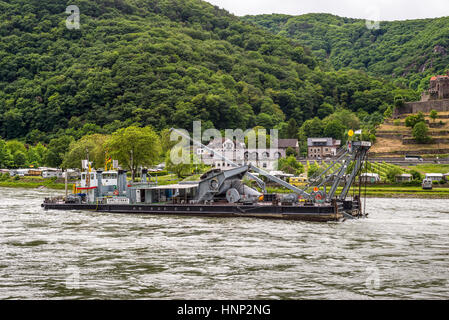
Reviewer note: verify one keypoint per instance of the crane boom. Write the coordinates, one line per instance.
(259, 182)
(251, 167)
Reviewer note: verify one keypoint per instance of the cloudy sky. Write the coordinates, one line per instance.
(366, 9)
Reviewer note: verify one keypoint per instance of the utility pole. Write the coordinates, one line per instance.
(66, 182)
(87, 169)
(132, 165)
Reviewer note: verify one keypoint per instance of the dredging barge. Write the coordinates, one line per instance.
(223, 193)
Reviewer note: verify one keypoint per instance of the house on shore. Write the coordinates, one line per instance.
(284, 144)
(369, 177)
(320, 148)
(405, 177)
(435, 176)
(264, 158)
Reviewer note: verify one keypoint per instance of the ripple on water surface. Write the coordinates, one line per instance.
(401, 252)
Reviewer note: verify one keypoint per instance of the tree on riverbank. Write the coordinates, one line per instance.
(134, 147)
(421, 133)
(92, 144)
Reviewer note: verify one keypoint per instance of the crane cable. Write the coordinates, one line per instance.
(366, 171)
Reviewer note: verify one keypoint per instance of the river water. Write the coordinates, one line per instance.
(400, 252)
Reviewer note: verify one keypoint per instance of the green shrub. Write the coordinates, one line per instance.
(417, 176)
(397, 122)
(433, 115)
(392, 173)
(291, 152)
(421, 133)
(412, 120)
(414, 183)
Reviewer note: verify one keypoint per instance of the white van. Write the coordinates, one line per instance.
(427, 184)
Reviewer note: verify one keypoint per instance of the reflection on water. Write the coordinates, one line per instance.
(399, 252)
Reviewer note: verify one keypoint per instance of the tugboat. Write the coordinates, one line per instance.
(223, 193)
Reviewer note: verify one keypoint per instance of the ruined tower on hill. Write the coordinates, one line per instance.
(438, 89)
(436, 98)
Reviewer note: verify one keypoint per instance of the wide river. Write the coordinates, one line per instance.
(400, 252)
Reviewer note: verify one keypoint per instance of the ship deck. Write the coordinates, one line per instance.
(319, 213)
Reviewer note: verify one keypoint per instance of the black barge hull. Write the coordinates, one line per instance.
(322, 213)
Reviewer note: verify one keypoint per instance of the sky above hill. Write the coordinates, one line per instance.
(371, 9)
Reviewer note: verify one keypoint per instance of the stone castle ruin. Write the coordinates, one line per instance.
(436, 98)
(439, 88)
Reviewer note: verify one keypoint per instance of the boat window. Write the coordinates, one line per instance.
(92, 176)
(109, 176)
(83, 176)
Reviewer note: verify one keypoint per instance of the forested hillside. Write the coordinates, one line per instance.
(161, 63)
(412, 49)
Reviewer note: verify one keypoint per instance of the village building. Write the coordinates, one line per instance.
(434, 176)
(320, 148)
(284, 144)
(237, 152)
(369, 177)
(446, 176)
(406, 177)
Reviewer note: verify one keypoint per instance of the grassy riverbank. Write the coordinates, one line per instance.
(374, 191)
(32, 183)
(392, 191)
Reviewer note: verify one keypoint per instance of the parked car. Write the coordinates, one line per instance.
(427, 184)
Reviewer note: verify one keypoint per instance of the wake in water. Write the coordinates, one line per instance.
(399, 252)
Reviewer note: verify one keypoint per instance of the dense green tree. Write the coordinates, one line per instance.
(291, 165)
(417, 176)
(184, 168)
(258, 137)
(412, 120)
(292, 129)
(94, 145)
(57, 149)
(325, 110)
(399, 101)
(166, 143)
(312, 128)
(409, 51)
(313, 170)
(421, 133)
(35, 136)
(264, 120)
(36, 155)
(6, 159)
(14, 124)
(347, 118)
(161, 63)
(334, 129)
(389, 112)
(393, 173)
(134, 147)
(15, 146)
(20, 159)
